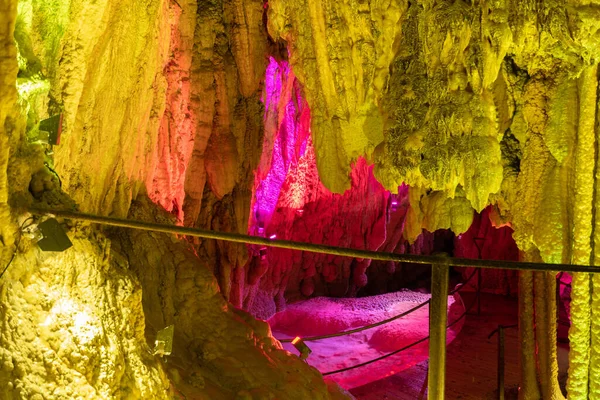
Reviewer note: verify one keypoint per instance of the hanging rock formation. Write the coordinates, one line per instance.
(136, 103)
(469, 104)
(481, 103)
(341, 53)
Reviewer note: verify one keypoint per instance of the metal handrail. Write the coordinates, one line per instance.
(440, 266)
(317, 248)
(501, 363)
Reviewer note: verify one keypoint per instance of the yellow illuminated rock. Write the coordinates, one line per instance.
(74, 328)
(8, 115)
(82, 324)
(471, 104)
(341, 52)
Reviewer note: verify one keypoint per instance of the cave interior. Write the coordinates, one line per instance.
(406, 144)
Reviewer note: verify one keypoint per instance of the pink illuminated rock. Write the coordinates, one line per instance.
(165, 181)
(323, 316)
(291, 202)
(307, 288)
(484, 241)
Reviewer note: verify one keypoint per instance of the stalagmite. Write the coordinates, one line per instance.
(551, 369)
(529, 385)
(545, 328)
(594, 385)
(542, 340)
(579, 338)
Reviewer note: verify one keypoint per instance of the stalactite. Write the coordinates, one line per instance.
(165, 180)
(594, 386)
(341, 52)
(579, 334)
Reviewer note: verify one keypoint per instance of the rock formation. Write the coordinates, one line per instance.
(368, 124)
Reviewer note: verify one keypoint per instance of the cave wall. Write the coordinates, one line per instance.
(228, 66)
(484, 240)
(481, 103)
(290, 202)
(107, 79)
(72, 326)
(468, 104)
(144, 89)
(221, 352)
(8, 116)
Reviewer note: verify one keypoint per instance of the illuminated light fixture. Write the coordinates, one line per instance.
(302, 348)
(261, 228)
(300, 212)
(32, 232)
(54, 237)
(42, 138)
(273, 236)
(394, 205)
(163, 345)
(53, 126)
(263, 253)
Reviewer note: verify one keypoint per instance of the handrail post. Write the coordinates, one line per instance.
(479, 291)
(438, 320)
(500, 362)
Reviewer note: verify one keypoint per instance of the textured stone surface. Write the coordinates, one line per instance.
(441, 131)
(8, 115)
(131, 88)
(485, 241)
(109, 83)
(73, 327)
(470, 104)
(341, 53)
(165, 179)
(228, 66)
(220, 352)
(291, 202)
(487, 103)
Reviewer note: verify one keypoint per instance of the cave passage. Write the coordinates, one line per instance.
(303, 178)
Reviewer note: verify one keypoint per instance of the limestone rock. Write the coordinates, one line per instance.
(341, 53)
(220, 352)
(74, 327)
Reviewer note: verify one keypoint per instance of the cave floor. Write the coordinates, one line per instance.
(471, 360)
(322, 316)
